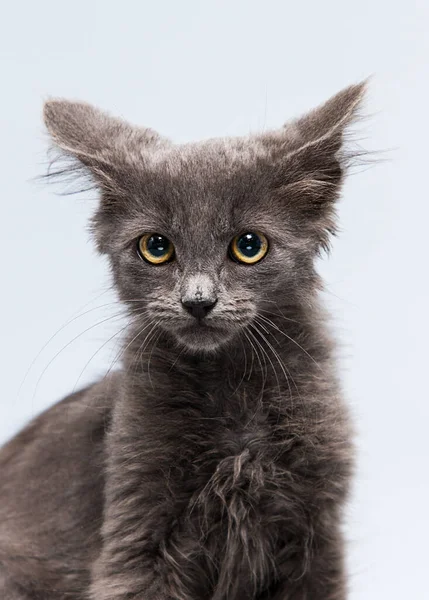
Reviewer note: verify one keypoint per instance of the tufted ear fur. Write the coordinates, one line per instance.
(310, 157)
(102, 143)
(329, 120)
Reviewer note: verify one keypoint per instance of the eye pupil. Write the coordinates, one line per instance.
(158, 245)
(248, 248)
(155, 248)
(249, 244)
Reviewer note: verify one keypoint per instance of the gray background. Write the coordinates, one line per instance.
(195, 69)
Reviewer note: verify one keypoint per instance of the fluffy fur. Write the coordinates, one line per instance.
(215, 464)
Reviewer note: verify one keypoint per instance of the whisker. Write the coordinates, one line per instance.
(291, 339)
(95, 353)
(279, 313)
(245, 368)
(182, 350)
(123, 350)
(154, 342)
(110, 318)
(99, 350)
(253, 325)
(245, 360)
(140, 350)
(74, 318)
(251, 364)
(282, 365)
(264, 378)
(53, 336)
(90, 302)
(263, 372)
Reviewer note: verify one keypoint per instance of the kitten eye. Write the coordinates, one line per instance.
(155, 248)
(248, 248)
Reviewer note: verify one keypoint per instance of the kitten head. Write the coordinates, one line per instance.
(202, 236)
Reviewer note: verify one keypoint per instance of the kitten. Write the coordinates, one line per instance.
(216, 463)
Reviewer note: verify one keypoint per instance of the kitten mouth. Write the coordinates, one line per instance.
(202, 335)
(201, 324)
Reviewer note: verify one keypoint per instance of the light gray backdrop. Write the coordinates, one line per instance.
(195, 69)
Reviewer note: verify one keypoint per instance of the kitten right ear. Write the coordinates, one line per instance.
(100, 142)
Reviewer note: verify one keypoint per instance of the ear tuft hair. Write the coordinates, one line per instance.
(90, 141)
(331, 118)
(311, 156)
(86, 131)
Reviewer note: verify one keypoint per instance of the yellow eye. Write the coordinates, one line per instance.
(155, 248)
(248, 248)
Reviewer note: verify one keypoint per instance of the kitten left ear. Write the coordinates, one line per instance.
(320, 131)
(330, 120)
(309, 162)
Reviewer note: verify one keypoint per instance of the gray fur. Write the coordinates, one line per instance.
(215, 464)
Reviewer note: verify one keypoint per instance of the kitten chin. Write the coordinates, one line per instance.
(203, 337)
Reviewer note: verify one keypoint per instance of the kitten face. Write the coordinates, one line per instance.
(279, 186)
(200, 197)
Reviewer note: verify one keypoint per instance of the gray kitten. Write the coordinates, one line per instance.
(215, 464)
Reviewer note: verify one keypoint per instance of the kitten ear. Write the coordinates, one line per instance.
(100, 142)
(314, 143)
(310, 158)
(330, 120)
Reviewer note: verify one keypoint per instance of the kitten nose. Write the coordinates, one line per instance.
(199, 308)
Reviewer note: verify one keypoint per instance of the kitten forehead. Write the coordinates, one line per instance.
(224, 152)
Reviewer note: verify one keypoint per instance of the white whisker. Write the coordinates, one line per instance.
(291, 339)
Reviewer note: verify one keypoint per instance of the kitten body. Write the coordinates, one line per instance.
(215, 464)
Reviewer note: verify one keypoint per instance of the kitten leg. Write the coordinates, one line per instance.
(139, 514)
